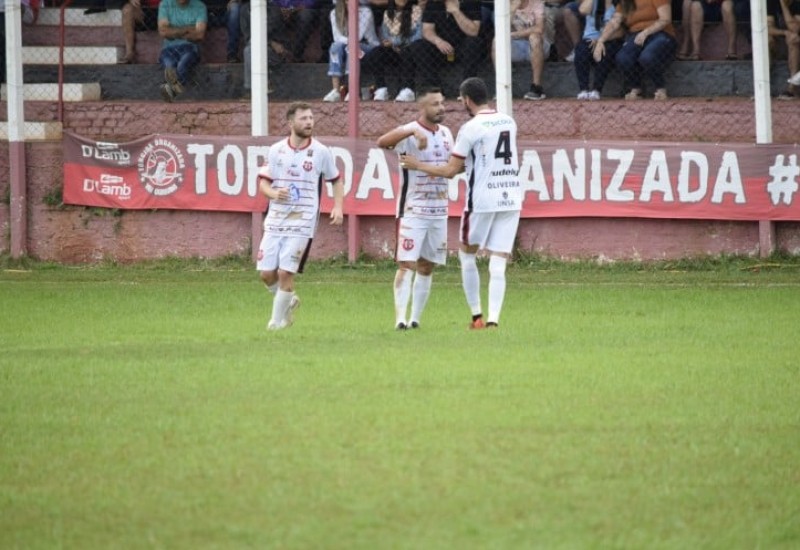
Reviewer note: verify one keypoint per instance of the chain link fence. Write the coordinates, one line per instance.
(689, 60)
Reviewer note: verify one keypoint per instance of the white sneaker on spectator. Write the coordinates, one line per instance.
(583, 94)
(406, 95)
(571, 57)
(381, 94)
(795, 80)
(594, 95)
(333, 96)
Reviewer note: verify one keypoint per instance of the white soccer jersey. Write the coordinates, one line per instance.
(301, 171)
(422, 195)
(488, 145)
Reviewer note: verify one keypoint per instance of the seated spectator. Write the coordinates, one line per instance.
(402, 24)
(596, 13)
(182, 24)
(302, 17)
(648, 47)
(783, 22)
(137, 15)
(528, 42)
(225, 13)
(275, 48)
(450, 32)
(695, 14)
(574, 24)
(367, 40)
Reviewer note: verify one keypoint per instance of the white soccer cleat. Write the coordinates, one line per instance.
(381, 94)
(272, 325)
(406, 95)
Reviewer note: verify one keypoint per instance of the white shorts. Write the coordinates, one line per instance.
(421, 238)
(493, 231)
(286, 253)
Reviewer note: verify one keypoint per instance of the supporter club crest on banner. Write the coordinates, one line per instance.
(161, 165)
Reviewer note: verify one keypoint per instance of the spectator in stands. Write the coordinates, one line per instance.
(225, 13)
(451, 31)
(137, 15)
(574, 24)
(402, 24)
(783, 21)
(648, 47)
(182, 24)
(367, 40)
(275, 49)
(528, 42)
(302, 17)
(596, 13)
(695, 14)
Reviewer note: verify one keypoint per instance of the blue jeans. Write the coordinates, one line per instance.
(228, 18)
(584, 61)
(337, 58)
(650, 60)
(181, 57)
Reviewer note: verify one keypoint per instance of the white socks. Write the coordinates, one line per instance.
(497, 287)
(422, 289)
(402, 293)
(471, 281)
(280, 305)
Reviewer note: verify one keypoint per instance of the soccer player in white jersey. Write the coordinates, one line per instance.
(421, 206)
(486, 148)
(292, 181)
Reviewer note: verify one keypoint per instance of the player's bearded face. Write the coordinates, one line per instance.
(303, 124)
(434, 108)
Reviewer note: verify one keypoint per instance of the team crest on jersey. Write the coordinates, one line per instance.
(408, 244)
(161, 165)
(308, 166)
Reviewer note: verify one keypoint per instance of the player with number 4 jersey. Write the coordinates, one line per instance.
(486, 148)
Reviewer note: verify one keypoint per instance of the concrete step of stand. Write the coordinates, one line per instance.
(73, 55)
(36, 131)
(87, 91)
(76, 17)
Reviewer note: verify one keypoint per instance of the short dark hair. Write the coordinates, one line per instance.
(296, 106)
(475, 89)
(425, 90)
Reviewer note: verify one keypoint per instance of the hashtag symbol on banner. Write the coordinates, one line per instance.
(783, 184)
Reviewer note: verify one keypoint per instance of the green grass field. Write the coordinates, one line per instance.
(629, 406)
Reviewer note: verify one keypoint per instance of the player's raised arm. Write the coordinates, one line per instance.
(265, 186)
(391, 138)
(454, 166)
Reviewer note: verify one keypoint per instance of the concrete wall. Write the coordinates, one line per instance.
(76, 234)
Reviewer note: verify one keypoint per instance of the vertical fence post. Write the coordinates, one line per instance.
(763, 106)
(502, 72)
(16, 131)
(259, 103)
(353, 131)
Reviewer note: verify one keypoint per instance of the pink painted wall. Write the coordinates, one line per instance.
(77, 235)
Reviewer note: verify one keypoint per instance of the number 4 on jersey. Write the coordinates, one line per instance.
(503, 149)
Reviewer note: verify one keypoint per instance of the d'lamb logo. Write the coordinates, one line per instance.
(109, 152)
(161, 166)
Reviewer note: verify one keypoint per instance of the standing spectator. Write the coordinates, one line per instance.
(367, 40)
(528, 42)
(695, 14)
(783, 21)
(275, 49)
(450, 32)
(182, 24)
(302, 17)
(494, 191)
(402, 24)
(225, 13)
(596, 13)
(137, 15)
(421, 207)
(648, 47)
(291, 181)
